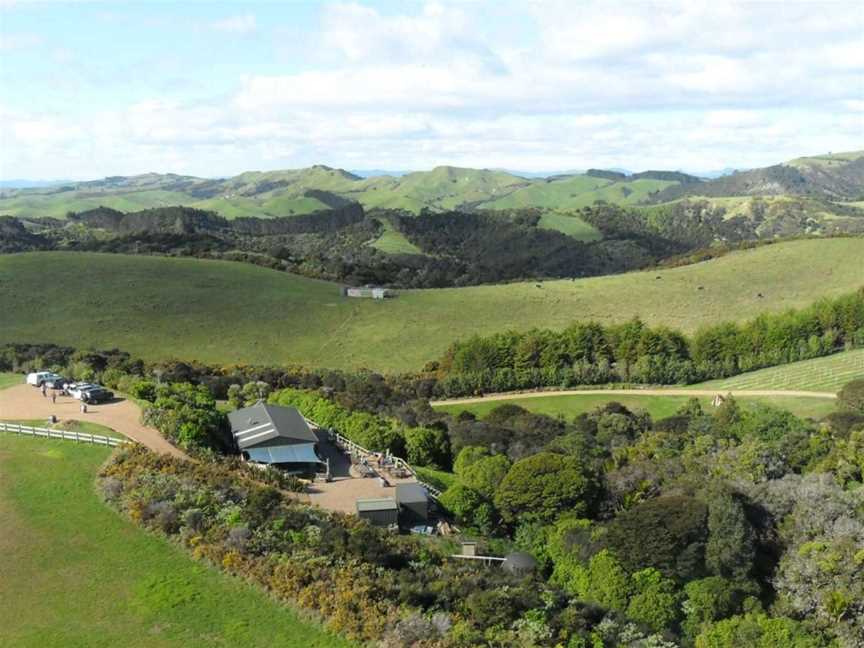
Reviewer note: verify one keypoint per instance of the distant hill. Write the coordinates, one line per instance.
(270, 194)
(831, 177)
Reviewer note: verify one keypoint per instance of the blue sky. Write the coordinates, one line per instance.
(89, 89)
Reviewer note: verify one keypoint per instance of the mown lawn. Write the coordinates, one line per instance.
(221, 312)
(657, 406)
(75, 574)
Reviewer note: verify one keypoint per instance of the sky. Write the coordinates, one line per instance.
(90, 89)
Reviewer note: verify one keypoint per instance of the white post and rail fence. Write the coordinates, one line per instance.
(49, 433)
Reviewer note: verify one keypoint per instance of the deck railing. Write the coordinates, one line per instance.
(347, 445)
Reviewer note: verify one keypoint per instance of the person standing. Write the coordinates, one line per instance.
(54, 397)
(44, 390)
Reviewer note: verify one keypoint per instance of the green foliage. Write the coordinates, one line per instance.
(187, 415)
(706, 601)
(634, 352)
(655, 601)
(467, 456)
(666, 533)
(607, 582)
(486, 474)
(851, 397)
(543, 486)
(730, 549)
(757, 631)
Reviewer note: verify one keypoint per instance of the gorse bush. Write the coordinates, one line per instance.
(366, 583)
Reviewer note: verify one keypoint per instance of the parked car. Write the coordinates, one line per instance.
(97, 395)
(76, 389)
(57, 383)
(37, 378)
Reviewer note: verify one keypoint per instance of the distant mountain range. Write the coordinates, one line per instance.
(836, 177)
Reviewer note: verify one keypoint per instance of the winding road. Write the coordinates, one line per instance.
(24, 402)
(635, 392)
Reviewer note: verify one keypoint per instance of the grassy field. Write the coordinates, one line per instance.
(570, 225)
(392, 241)
(75, 574)
(10, 379)
(225, 312)
(820, 374)
(657, 406)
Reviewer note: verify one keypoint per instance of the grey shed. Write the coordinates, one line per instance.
(519, 563)
(380, 511)
(413, 503)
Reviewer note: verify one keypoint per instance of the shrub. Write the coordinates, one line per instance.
(543, 486)
(666, 533)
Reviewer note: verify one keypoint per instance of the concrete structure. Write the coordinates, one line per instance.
(277, 436)
(368, 292)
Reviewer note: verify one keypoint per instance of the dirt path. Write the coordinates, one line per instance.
(24, 402)
(636, 392)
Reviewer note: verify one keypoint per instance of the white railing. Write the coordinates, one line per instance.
(48, 433)
(348, 445)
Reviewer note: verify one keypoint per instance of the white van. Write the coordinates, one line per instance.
(38, 377)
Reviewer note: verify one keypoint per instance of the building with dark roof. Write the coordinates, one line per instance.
(413, 503)
(277, 436)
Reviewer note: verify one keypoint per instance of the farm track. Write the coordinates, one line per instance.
(637, 392)
(24, 402)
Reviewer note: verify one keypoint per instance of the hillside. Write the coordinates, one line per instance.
(225, 312)
(832, 177)
(299, 191)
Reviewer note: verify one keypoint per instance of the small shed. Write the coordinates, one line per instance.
(379, 511)
(519, 563)
(413, 503)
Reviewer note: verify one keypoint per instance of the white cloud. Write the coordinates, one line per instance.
(245, 24)
(641, 85)
(12, 42)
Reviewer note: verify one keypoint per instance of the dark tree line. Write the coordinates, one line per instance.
(590, 353)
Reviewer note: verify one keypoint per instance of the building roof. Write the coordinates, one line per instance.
(261, 422)
(411, 493)
(377, 504)
(294, 453)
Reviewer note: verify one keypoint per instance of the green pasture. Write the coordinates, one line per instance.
(657, 406)
(222, 312)
(827, 374)
(392, 241)
(570, 225)
(76, 574)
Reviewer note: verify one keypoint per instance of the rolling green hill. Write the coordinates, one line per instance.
(300, 191)
(224, 312)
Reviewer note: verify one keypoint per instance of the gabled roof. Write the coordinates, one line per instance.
(261, 422)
